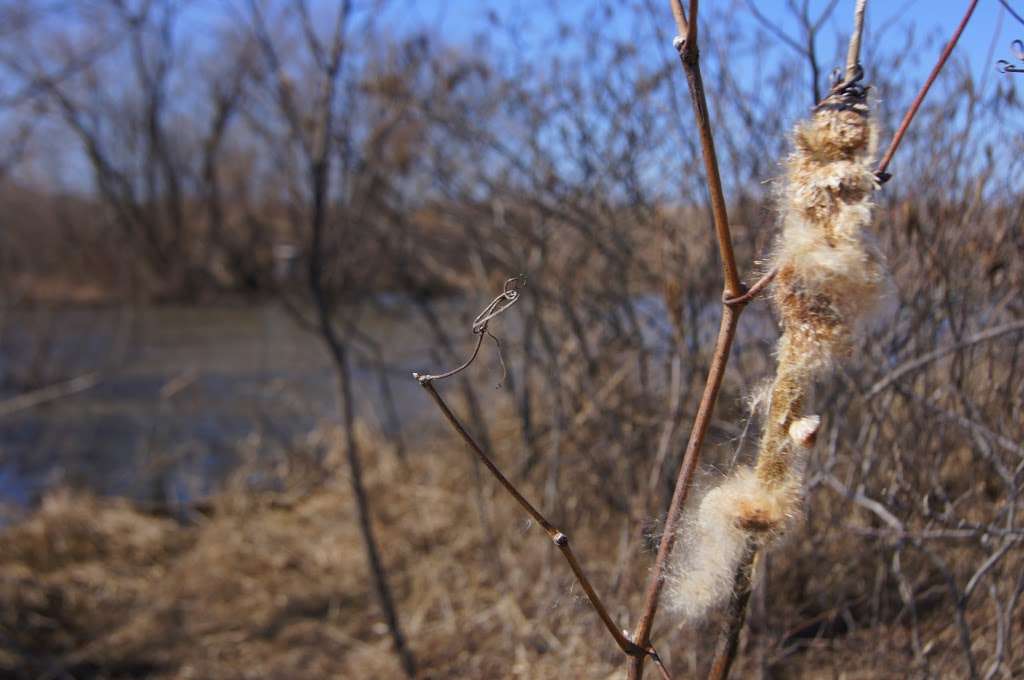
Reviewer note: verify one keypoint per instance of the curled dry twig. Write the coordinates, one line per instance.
(508, 297)
(1005, 66)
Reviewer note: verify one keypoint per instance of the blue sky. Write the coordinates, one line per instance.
(989, 33)
(985, 41)
(536, 33)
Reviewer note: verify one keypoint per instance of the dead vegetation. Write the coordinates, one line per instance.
(275, 586)
(95, 588)
(907, 561)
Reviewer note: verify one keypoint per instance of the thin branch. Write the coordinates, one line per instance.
(49, 393)
(679, 15)
(881, 173)
(1009, 9)
(866, 502)
(774, 28)
(659, 665)
(853, 53)
(501, 303)
(686, 44)
(558, 537)
(729, 640)
(935, 355)
(986, 567)
(458, 369)
(691, 31)
(716, 372)
(753, 291)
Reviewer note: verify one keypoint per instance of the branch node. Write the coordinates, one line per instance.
(737, 300)
(688, 52)
(560, 539)
(748, 293)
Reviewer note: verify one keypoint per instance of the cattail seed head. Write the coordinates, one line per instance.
(829, 277)
(735, 512)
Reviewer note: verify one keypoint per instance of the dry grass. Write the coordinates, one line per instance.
(95, 588)
(267, 588)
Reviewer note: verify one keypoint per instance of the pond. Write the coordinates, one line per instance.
(169, 399)
(167, 395)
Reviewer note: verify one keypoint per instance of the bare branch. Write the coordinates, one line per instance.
(919, 99)
(920, 362)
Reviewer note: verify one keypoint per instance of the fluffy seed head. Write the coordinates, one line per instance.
(835, 133)
(804, 431)
(739, 511)
(829, 277)
(830, 274)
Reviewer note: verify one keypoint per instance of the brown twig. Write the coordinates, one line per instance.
(500, 304)
(726, 333)
(659, 665)
(729, 637)
(729, 640)
(458, 369)
(689, 54)
(686, 44)
(558, 537)
(753, 291)
(853, 69)
(881, 173)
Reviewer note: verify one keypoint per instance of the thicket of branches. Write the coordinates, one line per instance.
(409, 165)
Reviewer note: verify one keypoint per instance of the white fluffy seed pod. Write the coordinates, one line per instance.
(804, 431)
(737, 511)
(829, 277)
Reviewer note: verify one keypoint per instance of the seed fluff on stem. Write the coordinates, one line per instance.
(829, 277)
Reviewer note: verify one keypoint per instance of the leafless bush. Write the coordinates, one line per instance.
(418, 167)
